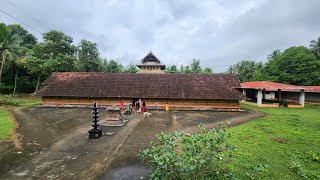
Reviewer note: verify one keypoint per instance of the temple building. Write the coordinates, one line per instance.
(150, 64)
(181, 91)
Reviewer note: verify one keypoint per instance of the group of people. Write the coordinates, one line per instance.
(140, 106)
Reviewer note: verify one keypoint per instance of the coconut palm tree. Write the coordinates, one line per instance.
(9, 46)
(315, 47)
(274, 54)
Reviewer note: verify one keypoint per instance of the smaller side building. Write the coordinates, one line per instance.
(272, 94)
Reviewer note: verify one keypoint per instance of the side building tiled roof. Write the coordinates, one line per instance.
(270, 86)
(156, 86)
(274, 86)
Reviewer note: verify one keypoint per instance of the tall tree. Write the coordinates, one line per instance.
(113, 67)
(27, 42)
(171, 69)
(296, 65)
(181, 69)
(274, 54)
(9, 46)
(89, 60)
(58, 50)
(55, 54)
(187, 70)
(195, 66)
(245, 69)
(36, 66)
(315, 47)
(207, 70)
(131, 69)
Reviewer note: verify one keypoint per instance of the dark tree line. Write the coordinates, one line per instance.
(25, 62)
(296, 65)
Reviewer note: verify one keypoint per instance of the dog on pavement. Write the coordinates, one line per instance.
(146, 114)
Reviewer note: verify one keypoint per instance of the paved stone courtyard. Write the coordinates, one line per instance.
(55, 145)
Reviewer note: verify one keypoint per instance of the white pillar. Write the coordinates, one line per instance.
(244, 92)
(259, 97)
(302, 97)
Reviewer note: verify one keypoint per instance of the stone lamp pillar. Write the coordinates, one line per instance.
(95, 132)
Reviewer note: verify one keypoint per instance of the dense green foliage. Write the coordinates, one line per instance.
(89, 60)
(287, 140)
(28, 62)
(203, 155)
(296, 65)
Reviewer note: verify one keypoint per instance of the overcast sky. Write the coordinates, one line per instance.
(219, 32)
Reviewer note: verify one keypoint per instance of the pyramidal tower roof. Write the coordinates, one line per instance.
(150, 57)
(151, 62)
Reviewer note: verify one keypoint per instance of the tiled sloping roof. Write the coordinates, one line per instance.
(164, 86)
(273, 86)
(315, 89)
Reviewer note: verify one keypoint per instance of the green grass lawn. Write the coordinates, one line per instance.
(287, 140)
(6, 124)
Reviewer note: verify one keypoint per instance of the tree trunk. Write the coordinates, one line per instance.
(38, 83)
(15, 83)
(3, 60)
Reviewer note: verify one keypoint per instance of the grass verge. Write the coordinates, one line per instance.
(14, 100)
(6, 124)
(286, 140)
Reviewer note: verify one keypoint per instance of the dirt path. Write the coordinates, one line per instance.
(55, 142)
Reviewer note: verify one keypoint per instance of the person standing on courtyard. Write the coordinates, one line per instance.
(121, 105)
(156, 107)
(167, 107)
(140, 105)
(144, 107)
(137, 106)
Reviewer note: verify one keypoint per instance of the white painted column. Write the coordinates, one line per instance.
(259, 97)
(244, 92)
(302, 97)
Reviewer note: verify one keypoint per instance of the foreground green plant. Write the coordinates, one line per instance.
(201, 155)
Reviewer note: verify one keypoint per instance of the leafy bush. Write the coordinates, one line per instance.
(9, 100)
(258, 172)
(14, 100)
(296, 167)
(314, 156)
(203, 155)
